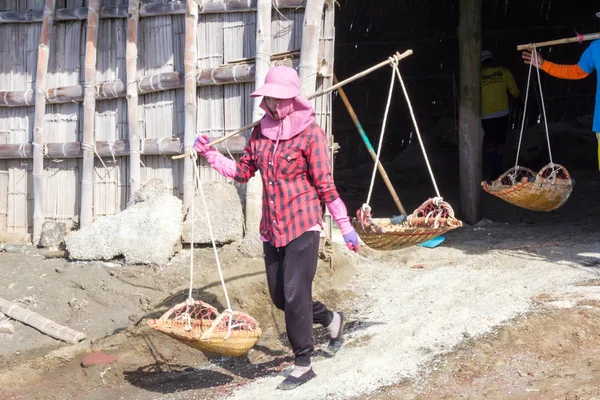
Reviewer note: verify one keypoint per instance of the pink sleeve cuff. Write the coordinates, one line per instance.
(338, 211)
(223, 165)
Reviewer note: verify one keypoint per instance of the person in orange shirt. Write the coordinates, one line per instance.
(589, 61)
(496, 83)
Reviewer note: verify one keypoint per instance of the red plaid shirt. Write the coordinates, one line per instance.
(296, 178)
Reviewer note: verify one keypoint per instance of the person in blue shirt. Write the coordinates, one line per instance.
(589, 61)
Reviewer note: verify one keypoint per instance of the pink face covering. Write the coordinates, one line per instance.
(294, 116)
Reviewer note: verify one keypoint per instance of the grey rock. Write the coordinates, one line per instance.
(225, 213)
(147, 232)
(52, 234)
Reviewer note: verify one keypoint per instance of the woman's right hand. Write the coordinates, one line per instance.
(201, 145)
(532, 58)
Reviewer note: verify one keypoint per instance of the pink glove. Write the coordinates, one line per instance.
(338, 211)
(223, 165)
(201, 145)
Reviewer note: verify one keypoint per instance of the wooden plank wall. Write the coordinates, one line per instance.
(221, 109)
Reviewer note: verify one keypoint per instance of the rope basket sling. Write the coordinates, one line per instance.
(199, 325)
(547, 190)
(433, 218)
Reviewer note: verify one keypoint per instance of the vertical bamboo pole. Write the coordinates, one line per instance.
(263, 50)
(39, 182)
(89, 111)
(470, 135)
(263, 64)
(190, 60)
(309, 52)
(135, 173)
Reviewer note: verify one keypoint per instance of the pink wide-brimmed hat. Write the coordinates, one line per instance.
(281, 82)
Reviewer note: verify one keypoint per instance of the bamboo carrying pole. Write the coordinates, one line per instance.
(39, 183)
(367, 143)
(578, 38)
(135, 170)
(254, 124)
(89, 113)
(189, 65)
(40, 323)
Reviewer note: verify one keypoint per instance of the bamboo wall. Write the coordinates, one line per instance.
(223, 105)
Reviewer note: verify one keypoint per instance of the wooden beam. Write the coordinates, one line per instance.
(147, 10)
(223, 75)
(86, 215)
(39, 178)
(135, 169)
(40, 323)
(116, 148)
(190, 65)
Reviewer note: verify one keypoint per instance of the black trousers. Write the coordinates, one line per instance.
(290, 273)
(494, 137)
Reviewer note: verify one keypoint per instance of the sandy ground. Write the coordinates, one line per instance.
(508, 308)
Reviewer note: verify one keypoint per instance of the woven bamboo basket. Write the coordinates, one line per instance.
(199, 325)
(547, 190)
(433, 218)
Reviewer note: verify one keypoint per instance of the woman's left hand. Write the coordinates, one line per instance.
(351, 239)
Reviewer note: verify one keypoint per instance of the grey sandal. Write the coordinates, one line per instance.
(292, 382)
(335, 344)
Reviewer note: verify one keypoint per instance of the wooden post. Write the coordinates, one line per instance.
(190, 63)
(311, 31)
(39, 181)
(135, 173)
(470, 137)
(254, 186)
(89, 113)
(113, 89)
(3, 201)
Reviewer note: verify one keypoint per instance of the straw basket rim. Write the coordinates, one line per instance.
(235, 342)
(540, 194)
(401, 235)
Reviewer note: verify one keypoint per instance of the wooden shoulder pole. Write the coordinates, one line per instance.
(578, 38)
(251, 125)
(39, 179)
